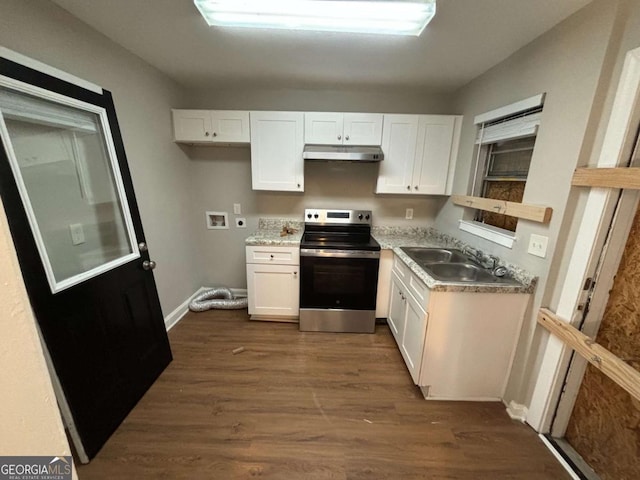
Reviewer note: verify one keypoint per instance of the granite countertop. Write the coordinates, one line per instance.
(269, 230)
(395, 237)
(392, 238)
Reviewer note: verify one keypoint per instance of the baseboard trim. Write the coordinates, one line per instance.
(181, 310)
(517, 411)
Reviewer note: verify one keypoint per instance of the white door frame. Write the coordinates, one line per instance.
(593, 232)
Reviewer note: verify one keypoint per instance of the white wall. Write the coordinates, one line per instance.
(143, 98)
(567, 64)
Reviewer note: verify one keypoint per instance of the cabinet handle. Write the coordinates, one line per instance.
(271, 257)
(298, 185)
(215, 134)
(346, 137)
(339, 137)
(206, 134)
(408, 187)
(295, 273)
(416, 187)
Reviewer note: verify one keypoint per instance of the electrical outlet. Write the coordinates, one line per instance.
(408, 215)
(237, 209)
(538, 245)
(77, 233)
(241, 222)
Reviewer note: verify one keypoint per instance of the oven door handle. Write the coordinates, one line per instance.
(319, 252)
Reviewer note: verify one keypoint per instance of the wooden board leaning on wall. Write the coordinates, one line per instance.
(613, 367)
(621, 177)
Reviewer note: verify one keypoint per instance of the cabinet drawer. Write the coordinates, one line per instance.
(401, 269)
(419, 290)
(274, 255)
(416, 287)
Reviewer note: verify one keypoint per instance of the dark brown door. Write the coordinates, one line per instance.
(68, 196)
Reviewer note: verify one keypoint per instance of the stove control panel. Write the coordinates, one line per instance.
(342, 217)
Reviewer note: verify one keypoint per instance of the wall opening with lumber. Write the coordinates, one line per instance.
(605, 424)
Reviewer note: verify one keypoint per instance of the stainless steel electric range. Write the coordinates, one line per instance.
(338, 272)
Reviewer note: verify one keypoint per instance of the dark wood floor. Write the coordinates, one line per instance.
(306, 406)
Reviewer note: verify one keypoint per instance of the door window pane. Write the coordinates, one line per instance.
(65, 172)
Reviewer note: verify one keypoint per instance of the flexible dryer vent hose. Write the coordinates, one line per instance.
(218, 298)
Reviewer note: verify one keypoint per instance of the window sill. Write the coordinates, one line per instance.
(488, 232)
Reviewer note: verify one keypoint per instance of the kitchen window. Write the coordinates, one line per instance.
(505, 142)
(504, 176)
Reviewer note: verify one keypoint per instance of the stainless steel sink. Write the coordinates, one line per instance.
(435, 255)
(461, 272)
(451, 265)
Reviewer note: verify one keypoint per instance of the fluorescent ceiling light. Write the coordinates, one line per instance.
(387, 17)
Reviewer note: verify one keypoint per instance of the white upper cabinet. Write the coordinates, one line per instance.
(277, 141)
(434, 154)
(211, 126)
(420, 152)
(230, 126)
(399, 141)
(329, 128)
(191, 125)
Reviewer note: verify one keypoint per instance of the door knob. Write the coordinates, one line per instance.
(143, 247)
(148, 265)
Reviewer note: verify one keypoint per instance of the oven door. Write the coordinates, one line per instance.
(338, 279)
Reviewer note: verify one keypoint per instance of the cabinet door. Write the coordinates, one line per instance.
(362, 129)
(230, 126)
(276, 151)
(192, 126)
(323, 128)
(435, 142)
(399, 136)
(397, 310)
(273, 290)
(413, 337)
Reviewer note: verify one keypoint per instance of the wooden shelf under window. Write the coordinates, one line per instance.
(535, 213)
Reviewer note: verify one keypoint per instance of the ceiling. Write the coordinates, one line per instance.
(466, 38)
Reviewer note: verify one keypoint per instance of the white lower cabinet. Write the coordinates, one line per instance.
(456, 345)
(273, 283)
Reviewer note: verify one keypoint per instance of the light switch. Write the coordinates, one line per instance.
(237, 209)
(77, 233)
(538, 245)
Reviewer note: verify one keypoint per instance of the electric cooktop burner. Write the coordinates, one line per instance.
(338, 230)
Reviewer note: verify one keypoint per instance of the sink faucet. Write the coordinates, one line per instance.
(486, 261)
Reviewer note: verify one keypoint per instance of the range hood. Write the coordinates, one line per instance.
(342, 153)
